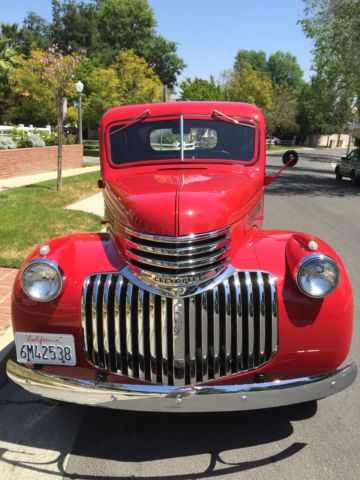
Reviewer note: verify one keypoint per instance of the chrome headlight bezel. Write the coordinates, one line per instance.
(308, 259)
(46, 264)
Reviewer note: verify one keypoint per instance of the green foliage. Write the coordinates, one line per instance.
(245, 84)
(284, 70)
(20, 138)
(75, 25)
(137, 82)
(34, 96)
(200, 89)
(281, 117)
(50, 138)
(256, 59)
(162, 58)
(69, 139)
(128, 80)
(320, 110)
(335, 28)
(126, 24)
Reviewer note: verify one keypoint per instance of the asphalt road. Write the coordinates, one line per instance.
(40, 439)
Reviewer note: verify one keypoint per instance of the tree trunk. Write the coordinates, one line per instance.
(60, 142)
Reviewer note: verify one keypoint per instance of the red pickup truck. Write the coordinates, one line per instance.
(185, 303)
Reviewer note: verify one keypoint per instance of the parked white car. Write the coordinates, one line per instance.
(271, 141)
(349, 166)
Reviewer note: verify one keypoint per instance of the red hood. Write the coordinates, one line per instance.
(179, 201)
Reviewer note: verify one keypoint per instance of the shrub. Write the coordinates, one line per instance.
(36, 140)
(50, 139)
(20, 138)
(6, 142)
(69, 139)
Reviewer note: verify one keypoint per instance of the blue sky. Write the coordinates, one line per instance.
(210, 32)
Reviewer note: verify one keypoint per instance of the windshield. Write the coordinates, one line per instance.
(182, 139)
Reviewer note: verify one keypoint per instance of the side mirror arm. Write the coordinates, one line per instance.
(290, 159)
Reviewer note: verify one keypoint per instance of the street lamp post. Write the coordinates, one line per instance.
(79, 88)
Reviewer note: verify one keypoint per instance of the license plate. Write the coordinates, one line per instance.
(46, 348)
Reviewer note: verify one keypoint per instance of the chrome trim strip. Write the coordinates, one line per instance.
(195, 237)
(83, 312)
(129, 346)
(141, 339)
(262, 326)
(178, 340)
(210, 398)
(118, 287)
(228, 329)
(105, 318)
(216, 308)
(164, 341)
(274, 320)
(180, 264)
(153, 371)
(94, 315)
(204, 336)
(250, 319)
(239, 324)
(183, 251)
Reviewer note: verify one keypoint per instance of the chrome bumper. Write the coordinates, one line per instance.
(183, 399)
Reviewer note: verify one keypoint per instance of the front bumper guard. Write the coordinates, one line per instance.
(183, 399)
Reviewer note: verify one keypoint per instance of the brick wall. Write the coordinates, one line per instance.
(26, 161)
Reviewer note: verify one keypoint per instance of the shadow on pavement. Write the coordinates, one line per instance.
(297, 182)
(145, 437)
(38, 439)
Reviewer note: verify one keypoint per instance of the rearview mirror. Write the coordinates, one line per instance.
(289, 159)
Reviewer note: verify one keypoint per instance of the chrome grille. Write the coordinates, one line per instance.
(203, 254)
(179, 341)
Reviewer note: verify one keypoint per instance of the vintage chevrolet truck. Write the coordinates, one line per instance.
(184, 304)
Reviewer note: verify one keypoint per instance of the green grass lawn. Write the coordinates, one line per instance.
(33, 214)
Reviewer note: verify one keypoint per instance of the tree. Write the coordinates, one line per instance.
(281, 117)
(200, 89)
(32, 95)
(334, 25)
(126, 24)
(256, 59)
(162, 58)
(75, 25)
(320, 110)
(245, 84)
(137, 81)
(129, 80)
(35, 33)
(103, 86)
(59, 71)
(284, 70)
(8, 60)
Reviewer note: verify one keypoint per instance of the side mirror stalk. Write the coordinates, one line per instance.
(290, 159)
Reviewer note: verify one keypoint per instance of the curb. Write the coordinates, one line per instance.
(7, 351)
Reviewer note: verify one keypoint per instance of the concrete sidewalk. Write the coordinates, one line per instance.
(14, 182)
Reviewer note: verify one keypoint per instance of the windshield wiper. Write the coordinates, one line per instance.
(138, 119)
(221, 116)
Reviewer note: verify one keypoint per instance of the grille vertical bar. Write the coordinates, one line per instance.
(179, 341)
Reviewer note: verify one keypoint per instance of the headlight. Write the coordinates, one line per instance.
(42, 280)
(318, 275)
